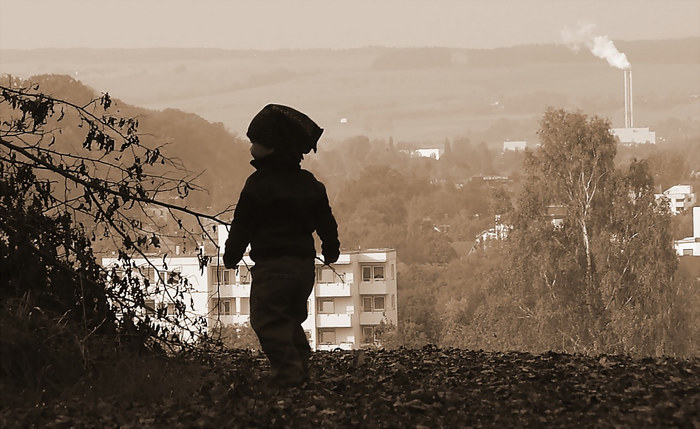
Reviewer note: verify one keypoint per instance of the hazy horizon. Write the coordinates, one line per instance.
(339, 24)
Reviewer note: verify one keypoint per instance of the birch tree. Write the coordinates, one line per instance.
(589, 266)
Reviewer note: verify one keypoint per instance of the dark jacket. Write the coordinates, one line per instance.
(280, 207)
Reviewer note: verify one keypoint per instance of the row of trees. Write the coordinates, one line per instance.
(602, 281)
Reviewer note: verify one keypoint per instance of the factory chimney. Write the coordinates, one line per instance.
(629, 122)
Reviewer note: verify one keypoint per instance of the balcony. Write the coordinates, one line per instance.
(333, 320)
(373, 318)
(233, 319)
(332, 290)
(376, 287)
(224, 291)
(230, 291)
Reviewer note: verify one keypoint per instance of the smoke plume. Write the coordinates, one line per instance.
(600, 46)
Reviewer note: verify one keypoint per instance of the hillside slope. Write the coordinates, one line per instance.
(217, 160)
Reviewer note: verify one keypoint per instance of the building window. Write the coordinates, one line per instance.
(393, 301)
(326, 336)
(223, 276)
(170, 277)
(150, 306)
(223, 307)
(372, 303)
(326, 305)
(372, 272)
(368, 334)
(245, 306)
(325, 275)
(687, 252)
(379, 303)
(366, 273)
(379, 272)
(244, 274)
(170, 309)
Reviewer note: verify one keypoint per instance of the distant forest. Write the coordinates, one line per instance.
(645, 51)
(421, 95)
(383, 196)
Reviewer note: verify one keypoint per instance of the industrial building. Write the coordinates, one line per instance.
(630, 135)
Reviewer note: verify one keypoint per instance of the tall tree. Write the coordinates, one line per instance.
(590, 261)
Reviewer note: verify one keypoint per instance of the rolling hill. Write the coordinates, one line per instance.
(421, 94)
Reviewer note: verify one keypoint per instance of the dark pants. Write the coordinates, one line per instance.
(278, 296)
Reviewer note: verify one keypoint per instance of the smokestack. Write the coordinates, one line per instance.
(629, 119)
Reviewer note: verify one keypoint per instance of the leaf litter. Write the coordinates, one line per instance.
(412, 388)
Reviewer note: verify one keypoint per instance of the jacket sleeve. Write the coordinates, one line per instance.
(242, 229)
(327, 229)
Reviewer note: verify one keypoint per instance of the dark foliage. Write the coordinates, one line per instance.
(61, 194)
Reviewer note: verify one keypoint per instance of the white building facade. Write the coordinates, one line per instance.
(690, 246)
(514, 146)
(426, 153)
(680, 198)
(632, 136)
(349, 301)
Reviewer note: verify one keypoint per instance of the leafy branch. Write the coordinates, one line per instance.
(90, 166)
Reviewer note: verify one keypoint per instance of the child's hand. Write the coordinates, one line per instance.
(330, 257)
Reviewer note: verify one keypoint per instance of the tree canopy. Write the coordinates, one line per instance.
(601, 277)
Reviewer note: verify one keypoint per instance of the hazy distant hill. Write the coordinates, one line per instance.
(420, 94)
(201, 146)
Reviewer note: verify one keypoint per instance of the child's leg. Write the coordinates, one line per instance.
(301, 312)
(275, 314)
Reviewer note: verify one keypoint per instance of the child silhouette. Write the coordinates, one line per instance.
(279, 208)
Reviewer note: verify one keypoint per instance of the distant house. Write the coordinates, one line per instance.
(426, 153)
(690, 246)
(514, 146)
(680, 198)
(556, 214)
(630, 136)
(497, 232)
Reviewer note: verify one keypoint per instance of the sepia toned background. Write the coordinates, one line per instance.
(460, 67)
(508, 287)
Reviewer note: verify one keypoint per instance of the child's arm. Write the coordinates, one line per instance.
(242, 229)
(327, 229)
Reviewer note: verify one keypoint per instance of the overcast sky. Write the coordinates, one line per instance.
(273, 24)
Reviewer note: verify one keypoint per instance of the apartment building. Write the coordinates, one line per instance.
(680, 198)
(349, 301)
(690, 246)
